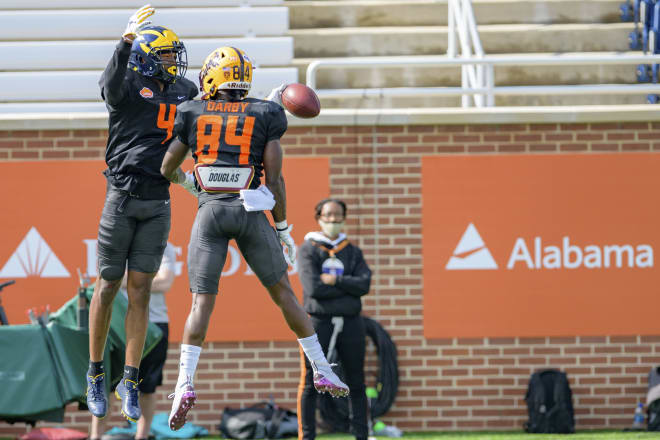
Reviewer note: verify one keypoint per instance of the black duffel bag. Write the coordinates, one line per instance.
(263, 420)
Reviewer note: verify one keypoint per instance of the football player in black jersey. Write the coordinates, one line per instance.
(141, 86)
(235, 141)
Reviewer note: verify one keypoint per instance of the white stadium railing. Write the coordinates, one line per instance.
(461, 23)
(489, 89)
(477, 69)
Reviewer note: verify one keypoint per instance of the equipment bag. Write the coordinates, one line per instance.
(549, 403)
(654, 416)
(653, 400)
(263, 420)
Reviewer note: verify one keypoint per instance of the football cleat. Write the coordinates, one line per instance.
(325, 380)
(184, 400)
(96, 400)
(127, 392)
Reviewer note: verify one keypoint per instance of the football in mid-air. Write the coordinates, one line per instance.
(301, 101)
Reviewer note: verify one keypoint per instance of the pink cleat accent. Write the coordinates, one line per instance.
(325, 380)
(184, 401)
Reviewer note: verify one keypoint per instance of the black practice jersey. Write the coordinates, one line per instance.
(141, 125)
(230, 133)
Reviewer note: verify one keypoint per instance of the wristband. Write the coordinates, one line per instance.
(281, 226)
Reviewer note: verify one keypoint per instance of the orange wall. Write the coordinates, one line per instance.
(539, 264)
(63, 202)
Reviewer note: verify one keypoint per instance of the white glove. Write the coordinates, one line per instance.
(286, 239)
(260, 199)
(138, 20)
(188, 182)
(275, 95)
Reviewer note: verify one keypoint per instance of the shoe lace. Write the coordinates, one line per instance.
(132, 388)
(323, 367)
(95, 388)
(182, 387)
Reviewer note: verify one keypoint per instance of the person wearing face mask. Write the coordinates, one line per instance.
(334, 276)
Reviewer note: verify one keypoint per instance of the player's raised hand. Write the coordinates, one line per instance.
(137, 20)
(275, 95)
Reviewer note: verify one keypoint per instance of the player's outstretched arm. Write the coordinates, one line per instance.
(275, 183)
(274, 179)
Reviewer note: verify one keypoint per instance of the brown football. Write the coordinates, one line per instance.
(301, 101)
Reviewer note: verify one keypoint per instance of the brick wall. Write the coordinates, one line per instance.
(446, 384)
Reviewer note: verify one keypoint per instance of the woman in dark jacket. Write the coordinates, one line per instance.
(334, 276)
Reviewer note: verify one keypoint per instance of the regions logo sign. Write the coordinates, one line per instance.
(33, 257)
(540, 245)
(471, 252)
(44, 244)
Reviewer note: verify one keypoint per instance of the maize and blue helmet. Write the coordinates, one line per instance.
(151, 42)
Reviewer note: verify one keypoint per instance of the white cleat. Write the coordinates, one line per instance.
(184, 399)
(325, 380)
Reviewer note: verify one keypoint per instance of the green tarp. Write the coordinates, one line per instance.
(42, 368)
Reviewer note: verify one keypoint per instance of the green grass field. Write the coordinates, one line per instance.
(584, 435)
(499, 435)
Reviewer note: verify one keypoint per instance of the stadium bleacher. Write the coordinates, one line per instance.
(360, 29)
(70, 41)
(54, 53)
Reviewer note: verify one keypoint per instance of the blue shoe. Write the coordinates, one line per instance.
(96, 400)
(127, 392)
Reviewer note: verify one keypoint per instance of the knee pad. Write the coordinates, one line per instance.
(111, 273)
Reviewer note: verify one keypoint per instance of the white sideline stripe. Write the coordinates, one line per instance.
(67, 55)
(83, 85)
(109, 23)
(97, 4)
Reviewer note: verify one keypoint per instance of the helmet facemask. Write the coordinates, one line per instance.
(171, 61)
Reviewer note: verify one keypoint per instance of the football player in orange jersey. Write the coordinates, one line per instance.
(235, 140)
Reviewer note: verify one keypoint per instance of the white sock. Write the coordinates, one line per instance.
(188, 363)
(312, 349)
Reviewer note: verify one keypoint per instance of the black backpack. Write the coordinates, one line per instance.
(549, 403)
(263, 420)
(653, 400)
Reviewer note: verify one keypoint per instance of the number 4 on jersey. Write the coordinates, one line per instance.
(166, 119)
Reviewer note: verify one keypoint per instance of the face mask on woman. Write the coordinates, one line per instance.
(332, 230)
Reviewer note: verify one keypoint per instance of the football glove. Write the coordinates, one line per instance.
(188, 182)
(138, 20)
(275, 95)
(287, 240)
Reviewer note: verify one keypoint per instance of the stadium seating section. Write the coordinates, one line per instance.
(54, 52)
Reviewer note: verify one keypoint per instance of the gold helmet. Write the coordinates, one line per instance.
(226, 68)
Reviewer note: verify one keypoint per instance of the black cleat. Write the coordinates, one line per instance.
(127, 392)
(97, 402)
